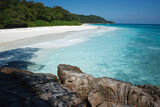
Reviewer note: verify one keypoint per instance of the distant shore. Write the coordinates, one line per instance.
(9, 35)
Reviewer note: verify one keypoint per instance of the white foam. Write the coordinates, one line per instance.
(57, 43)
(106, 29)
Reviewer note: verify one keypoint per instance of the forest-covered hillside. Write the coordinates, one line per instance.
(15, 13)
(20, 13)
(93, 19)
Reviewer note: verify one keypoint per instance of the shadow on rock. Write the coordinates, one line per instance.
(19, 88)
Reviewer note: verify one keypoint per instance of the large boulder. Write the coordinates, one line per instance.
(107, 92)
(23, 88)
(113, 90)
(73, 78)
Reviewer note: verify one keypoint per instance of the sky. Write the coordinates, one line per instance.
(120, 11)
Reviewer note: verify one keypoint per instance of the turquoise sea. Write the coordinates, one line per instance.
(129, 52)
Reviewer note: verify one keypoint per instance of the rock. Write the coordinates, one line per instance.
(107, 92)
(137, 96)
(112, 104)
(73, 88)
(113, 90)
(26, 88)
(95, 98)
(14, 94)
(13, 70)
(73, 78)
(153, 91)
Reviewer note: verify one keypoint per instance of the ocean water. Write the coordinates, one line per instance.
(124, 52)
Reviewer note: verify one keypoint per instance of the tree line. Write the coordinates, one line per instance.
(93, 19)
(20, 13)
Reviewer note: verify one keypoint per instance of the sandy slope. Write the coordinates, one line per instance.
(8, 35)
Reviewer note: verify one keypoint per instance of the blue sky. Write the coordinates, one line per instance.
(120, 11)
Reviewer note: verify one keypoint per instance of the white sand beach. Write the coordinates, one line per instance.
(47, 37)
(8, 35)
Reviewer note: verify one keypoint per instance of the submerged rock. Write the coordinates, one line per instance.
(24, 65)
(107, 92)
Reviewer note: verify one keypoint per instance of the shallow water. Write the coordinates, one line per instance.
(128, 53)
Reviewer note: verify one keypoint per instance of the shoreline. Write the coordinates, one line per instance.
(30, 37)
(10, 35)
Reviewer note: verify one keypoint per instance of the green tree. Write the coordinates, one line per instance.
(21, 13)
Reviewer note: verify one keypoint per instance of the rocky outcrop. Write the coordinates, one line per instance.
(20, 88)
(107, 92)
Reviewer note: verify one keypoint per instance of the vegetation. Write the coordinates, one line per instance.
(52, 23)
(20, 13)
(15, 13)
(93, 19)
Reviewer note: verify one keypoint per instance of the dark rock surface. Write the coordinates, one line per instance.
(107, 92)
(20, 88)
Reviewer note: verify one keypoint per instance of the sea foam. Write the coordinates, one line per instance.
(71, 38)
